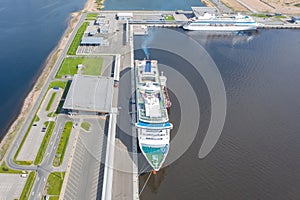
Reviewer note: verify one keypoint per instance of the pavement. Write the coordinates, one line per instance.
(46, 167)
(35, 136)
(11, 186)
(85, 176)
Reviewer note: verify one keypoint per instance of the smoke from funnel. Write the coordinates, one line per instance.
(147, 40)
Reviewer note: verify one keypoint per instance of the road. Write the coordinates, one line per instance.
(45, 168)
(222, 8)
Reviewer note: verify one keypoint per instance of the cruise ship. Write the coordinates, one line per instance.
(233, 23)
(153, 124)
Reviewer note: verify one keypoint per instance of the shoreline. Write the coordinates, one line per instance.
(31, 97)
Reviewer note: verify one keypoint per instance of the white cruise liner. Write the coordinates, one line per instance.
(152, 116)
(209, 22)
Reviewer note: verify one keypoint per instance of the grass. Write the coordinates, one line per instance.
(36, 119)
(260, 15)
(54, 184)
(91, 16)
(297, 5)
(63, 142)
(5, 169)
(85, 126)
(51, 101)
(20, 147)
(23, 162)
(44, 145)
(76, 41)
(61, 84)
(61, 103)
(65, 85)
(93, 66)
(280, 16)
(28, 186)
(51, 114)
(169, 17)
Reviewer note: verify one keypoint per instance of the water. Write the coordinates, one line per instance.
(30, 29)
(257, 155)
(151, 5)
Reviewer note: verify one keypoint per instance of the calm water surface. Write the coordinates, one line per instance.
(257, 156)
(151, 5)
(30, 29)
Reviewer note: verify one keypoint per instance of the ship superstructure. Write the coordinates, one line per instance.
(211, 22)
(152, 116)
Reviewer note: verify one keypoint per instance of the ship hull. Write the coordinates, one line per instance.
(153, 124)
(155, 154)
(219, 28)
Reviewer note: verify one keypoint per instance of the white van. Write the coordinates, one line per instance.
(24, 175)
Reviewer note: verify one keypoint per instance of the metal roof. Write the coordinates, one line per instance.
(90, 93)
(92, 40)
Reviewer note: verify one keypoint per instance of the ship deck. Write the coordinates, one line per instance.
(150, 100)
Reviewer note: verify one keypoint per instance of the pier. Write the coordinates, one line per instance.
(110, 170)
(121, 164)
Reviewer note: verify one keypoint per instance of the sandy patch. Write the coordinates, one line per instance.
(267, 6)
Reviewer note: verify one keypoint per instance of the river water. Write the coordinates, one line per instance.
(257, 155)
(30, 30)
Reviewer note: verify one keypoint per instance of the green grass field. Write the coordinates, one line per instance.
(169, 17)
(51, 101)
(76, 41)
(85, 126)
(63, 142)
(61, 84)
(28, 186)
(91, 16)
(92, 66)
(54, 183)
(260, 15)
(45, 142)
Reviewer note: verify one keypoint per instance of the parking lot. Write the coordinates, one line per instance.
(11, 186)
(37, 130)
(85, 178)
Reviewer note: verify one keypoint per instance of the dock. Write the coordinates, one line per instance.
(121, 164)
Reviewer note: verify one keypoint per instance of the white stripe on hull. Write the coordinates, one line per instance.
(219, 28)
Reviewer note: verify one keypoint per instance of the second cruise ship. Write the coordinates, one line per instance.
(210, 22)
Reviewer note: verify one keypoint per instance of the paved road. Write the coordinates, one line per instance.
(222, 8)
(46, 167)
(35, 136)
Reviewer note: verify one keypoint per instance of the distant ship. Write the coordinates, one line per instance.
(209, 22)
(153, 124)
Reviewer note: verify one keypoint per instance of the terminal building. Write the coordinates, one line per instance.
(124, 16)
(89, 95)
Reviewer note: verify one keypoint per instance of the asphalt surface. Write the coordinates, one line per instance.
(35, 136)
(85, 177)
(45, 168)
(11, 186)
